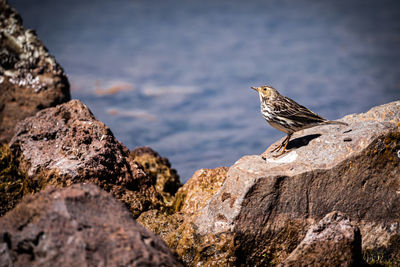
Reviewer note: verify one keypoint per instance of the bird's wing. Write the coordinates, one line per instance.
(290, 109)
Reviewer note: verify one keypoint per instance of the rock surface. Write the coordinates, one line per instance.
(333, 241)
(30, 78)
(66, 144)
(196, 193)
(12, 180)
(177, 229)
(266, 205)
(77, 226)
(159, 169)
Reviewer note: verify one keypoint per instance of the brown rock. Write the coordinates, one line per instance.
(12, 186)
(66, 144)
(190, 199)
(334, 241)
(178, 229)
(268, 204)
(199, 189)
(159, 169)
(77, 226)
(30, 78)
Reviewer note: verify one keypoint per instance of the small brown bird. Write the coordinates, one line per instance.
(286, 115)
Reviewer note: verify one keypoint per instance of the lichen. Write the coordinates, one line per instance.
(386, 148)
(392, 145)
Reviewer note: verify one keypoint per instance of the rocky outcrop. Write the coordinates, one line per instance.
(30, 78)
(66, 144)
(259, 211)
(333, 241)
(266, 204)
(77, 226)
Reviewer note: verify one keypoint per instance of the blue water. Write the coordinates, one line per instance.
(185, 67)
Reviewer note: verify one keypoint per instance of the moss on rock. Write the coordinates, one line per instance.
(384, 256)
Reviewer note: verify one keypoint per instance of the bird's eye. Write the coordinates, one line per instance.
(265, 89)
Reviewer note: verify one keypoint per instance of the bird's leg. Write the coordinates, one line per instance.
(284, 148)
(277, 148)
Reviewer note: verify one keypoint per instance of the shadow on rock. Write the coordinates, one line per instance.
(301, 141)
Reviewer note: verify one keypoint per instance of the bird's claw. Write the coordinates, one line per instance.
(284, 145)
(280, 154)
(277, 148)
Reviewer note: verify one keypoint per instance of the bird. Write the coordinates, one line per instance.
(287, 115)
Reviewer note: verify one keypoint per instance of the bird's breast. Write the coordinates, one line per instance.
(266, 111)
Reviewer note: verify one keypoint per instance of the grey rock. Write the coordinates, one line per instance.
(267, 204)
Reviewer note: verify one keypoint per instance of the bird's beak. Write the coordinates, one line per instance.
(255, 88)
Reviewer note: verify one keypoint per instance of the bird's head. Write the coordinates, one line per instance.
(266, 92)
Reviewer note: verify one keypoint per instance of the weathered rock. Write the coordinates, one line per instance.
(189, 199)
(77, 226)
(66, 144)
(30, 78)
(266, 205)
(178, 230)
(196, 192)
(334, 241)
(12, 180)
(159, 169)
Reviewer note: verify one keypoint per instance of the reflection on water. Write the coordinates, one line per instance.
(176, 75)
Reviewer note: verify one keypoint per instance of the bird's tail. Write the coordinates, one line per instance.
(335, 122)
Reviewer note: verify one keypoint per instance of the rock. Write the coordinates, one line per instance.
(191, 197)
(12, 186)
(30, 78)
(266, 205)
(77, 226)
(177, 229)
(196, 193)
(334, 241)
(66, 144)
(159, 169)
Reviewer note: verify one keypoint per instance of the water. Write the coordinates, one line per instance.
(181, 70)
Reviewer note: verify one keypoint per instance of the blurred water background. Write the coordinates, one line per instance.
(175, 75)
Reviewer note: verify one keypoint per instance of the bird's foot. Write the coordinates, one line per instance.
(284, 145)
(279, 154)
(277, 148)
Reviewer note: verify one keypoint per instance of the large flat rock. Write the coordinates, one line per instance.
(266, 204)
